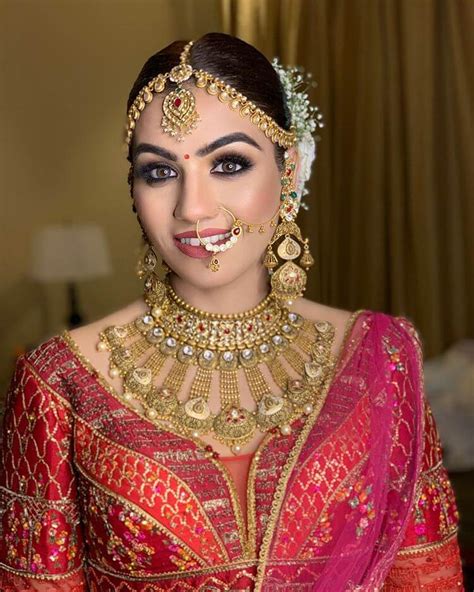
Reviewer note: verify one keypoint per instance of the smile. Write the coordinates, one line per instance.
(214, 238)
(189, 244)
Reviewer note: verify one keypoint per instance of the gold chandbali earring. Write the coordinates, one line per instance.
(289, 280)
(147, 263)
(154, 288)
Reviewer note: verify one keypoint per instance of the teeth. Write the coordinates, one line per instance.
(209, 239)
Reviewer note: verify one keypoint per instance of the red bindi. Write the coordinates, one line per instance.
(186, 156)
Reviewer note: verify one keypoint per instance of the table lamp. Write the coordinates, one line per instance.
(70, 253)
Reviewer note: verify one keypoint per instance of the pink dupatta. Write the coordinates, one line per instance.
(350, 492)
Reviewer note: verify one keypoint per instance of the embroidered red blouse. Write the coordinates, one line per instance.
(96, 497)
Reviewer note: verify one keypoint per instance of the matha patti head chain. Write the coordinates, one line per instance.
(180, 117)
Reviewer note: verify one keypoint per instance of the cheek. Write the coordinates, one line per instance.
(155, 213)
(260, 201)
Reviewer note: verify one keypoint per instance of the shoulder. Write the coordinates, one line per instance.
(83, 340)
(315, 311)
(50, 362)
(389, 337)
(86, 336)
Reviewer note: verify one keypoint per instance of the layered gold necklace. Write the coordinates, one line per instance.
(283, 359)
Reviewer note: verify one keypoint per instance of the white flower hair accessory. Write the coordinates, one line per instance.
(305, 118)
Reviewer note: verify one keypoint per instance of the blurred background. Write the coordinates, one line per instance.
(391, 197)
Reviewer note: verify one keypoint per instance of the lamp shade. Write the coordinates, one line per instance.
(69, 252)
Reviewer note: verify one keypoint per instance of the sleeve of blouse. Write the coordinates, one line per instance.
(40, 535)
(429, 557)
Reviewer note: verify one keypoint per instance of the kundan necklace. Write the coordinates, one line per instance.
(283, 358)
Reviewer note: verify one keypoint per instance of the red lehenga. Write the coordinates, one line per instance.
(356, 498)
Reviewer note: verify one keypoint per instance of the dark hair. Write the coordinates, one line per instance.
(236, 62)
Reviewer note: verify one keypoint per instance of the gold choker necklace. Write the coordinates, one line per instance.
(283, 359)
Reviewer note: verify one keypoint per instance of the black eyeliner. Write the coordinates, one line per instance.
(144, 171)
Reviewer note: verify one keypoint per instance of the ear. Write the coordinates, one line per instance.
(294, 156)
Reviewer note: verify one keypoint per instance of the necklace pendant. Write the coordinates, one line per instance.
(194, 415)
(299, 393)
(314, 373)
(163, 401)
(214, 264)
(236, 424)
(272, 411)
(139, 381)
(197, 408)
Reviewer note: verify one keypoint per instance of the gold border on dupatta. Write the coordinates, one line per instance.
(293, 456)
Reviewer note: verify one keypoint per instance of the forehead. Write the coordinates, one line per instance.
(215, 119)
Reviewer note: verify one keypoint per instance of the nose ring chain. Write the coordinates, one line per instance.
(235, 233)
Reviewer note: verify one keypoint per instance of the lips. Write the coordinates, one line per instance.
(198, 251)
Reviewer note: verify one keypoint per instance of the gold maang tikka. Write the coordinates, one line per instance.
(289, 280)
(179, 106)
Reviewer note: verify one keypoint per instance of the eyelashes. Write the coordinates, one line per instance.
(154, 173)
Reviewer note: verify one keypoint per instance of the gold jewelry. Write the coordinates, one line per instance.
(267, 341)
(288, 281)
(179, 106)
(235, 233)
(147, 263)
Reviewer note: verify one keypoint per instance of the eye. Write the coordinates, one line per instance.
(231, 164)
(156, 173)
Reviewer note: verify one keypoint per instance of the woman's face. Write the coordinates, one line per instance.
(226, 161)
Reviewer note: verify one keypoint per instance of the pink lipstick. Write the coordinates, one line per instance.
(188, 242)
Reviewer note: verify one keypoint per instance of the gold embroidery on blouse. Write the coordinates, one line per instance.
(41, 409)
(179, 575)
(247, 549)
(33, 576)
(129, 504)
(78, 418)
(427, 547)
(146, 460)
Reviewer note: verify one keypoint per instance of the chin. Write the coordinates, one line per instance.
(196, 272)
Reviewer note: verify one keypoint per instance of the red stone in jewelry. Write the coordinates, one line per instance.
(177, 102)
(236, 231)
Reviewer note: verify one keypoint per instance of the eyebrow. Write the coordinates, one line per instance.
(204, 151)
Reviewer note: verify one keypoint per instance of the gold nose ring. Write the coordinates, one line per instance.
(235, 233)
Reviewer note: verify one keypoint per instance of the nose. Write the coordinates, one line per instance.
(196, 200)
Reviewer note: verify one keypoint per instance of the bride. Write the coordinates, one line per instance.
(223, 432)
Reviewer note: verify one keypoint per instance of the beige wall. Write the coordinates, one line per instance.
(66, 68)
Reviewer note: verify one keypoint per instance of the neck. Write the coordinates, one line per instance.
(243, 294)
